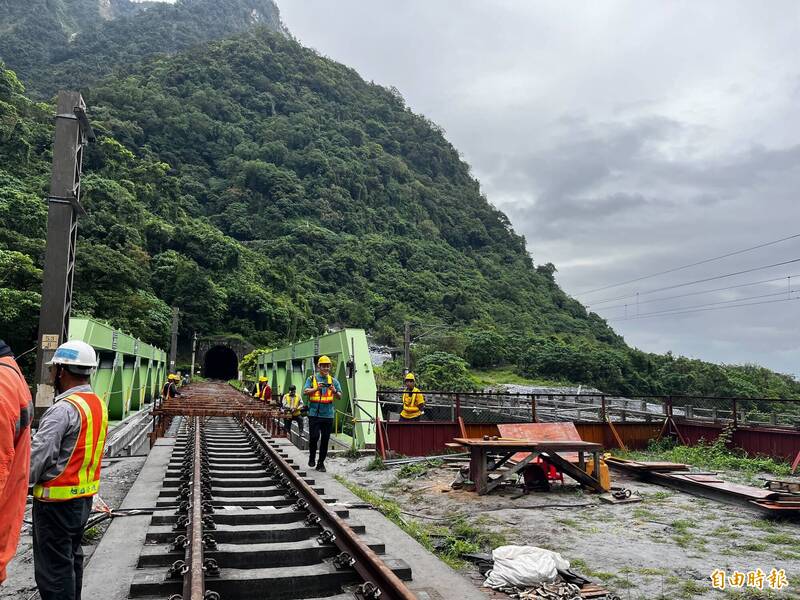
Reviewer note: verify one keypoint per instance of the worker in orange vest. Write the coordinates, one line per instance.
(16, 413)
(65, 471)
(321, 390)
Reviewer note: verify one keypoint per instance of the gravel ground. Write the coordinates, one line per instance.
(663, 547)
(117, 478)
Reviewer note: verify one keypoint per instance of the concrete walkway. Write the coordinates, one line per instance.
(111, 568)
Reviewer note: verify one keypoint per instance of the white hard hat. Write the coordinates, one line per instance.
(76, 356)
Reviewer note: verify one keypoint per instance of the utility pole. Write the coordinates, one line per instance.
(72, 133)
(173, 347)
(194, 347)
(406, 348)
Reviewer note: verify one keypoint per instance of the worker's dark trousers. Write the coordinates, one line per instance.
(287, 425)
(319, 430)
(57, 553)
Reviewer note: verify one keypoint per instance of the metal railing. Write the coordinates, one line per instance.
(504, 407)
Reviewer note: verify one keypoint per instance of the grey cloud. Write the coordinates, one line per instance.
(625, 140)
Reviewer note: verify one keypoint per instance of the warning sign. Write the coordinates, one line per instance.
(49, 342)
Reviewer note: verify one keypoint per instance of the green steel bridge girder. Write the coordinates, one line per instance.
(292, 364)
(130, 373)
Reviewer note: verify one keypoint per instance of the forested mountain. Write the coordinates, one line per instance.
(54, 44)
(270, 192)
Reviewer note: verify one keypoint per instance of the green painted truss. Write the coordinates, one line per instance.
(352, 366)
(130, 373)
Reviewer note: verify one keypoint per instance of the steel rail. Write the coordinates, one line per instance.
(359, 556)
(194, 584)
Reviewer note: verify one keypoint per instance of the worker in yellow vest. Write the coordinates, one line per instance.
(263, 391)
(65, 471)
(170, 388)
(413, 400)
(292, 405)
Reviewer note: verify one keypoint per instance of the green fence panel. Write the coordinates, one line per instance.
(349, 351)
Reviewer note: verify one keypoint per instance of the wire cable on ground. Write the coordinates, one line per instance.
(694, 264)
(696, 281)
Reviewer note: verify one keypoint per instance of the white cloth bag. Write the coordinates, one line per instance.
(523, 566)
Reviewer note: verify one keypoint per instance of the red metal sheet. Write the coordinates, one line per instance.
(420, 438)
(542, 432)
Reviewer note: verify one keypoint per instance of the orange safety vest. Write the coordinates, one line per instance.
(81, 476)
(16, 412)
(317, 395)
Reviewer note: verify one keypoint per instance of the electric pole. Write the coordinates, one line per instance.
(72, 133)
(173, 347)
(406, 348)
(194, 347)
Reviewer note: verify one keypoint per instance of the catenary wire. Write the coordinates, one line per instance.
(694, 264)
(696, 281)
(700, 293)
(680, 308)
(695, 310)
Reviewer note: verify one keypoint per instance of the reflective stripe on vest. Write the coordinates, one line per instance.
(317, 396)
(411, 404)
(81, 476)
(292, 403)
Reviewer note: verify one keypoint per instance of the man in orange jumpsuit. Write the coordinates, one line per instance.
(16, 413)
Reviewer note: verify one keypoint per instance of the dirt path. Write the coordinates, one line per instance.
(663, 547)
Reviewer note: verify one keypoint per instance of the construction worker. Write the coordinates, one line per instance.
(321, 390)
(292, 405)
(170, 387)
(263, 391)
(16, 413)
(65, 471)
(413, 400)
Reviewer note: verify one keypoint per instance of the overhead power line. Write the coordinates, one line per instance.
(708, 307)
(696, 281)
(694, 264)
(702, 292)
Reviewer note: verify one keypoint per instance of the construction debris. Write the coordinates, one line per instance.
(559, 590)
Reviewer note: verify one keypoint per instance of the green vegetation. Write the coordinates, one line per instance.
(692, 588)
(502, 375)
(715, 455)
(449, 539)
(69, 44)
(270, 193)
(376, 464)
(419, 469)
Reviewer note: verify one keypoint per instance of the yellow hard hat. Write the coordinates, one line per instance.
(172, 376)
(324, 360)
(262, 378)
(410, 376)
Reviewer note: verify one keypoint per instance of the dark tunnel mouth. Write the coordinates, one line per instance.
(220, 362)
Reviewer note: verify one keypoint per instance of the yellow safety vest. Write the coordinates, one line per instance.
(294, 403)
(411, 404)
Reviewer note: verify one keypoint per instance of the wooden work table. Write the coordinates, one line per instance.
(481, 451)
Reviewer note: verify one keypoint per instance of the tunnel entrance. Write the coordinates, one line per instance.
(221, 363)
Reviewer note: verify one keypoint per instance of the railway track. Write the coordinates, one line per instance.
(236, 519)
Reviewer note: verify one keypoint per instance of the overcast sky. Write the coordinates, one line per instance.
(621, 138)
